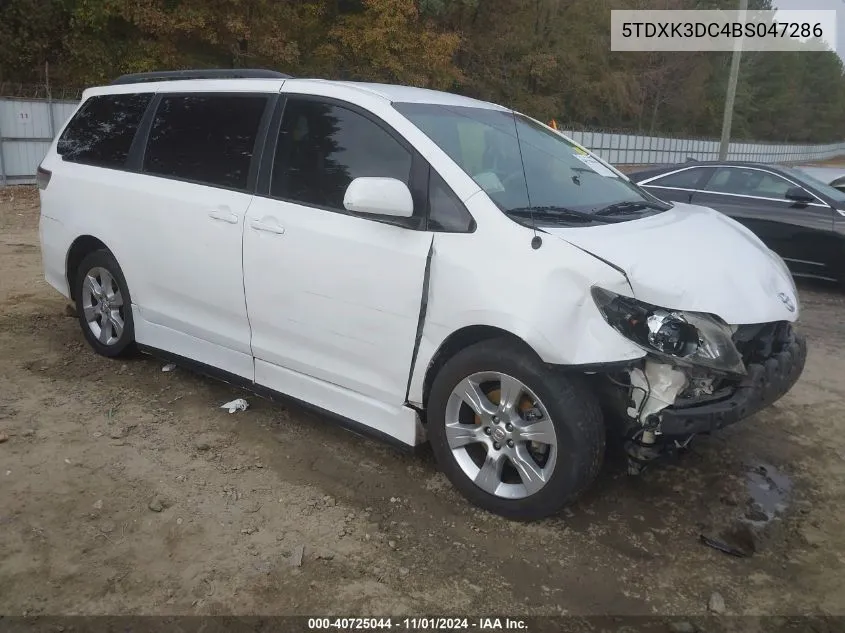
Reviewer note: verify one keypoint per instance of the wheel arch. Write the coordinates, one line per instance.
(81, 247)
(460, 340)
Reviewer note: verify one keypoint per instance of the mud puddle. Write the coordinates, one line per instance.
(769, 490)
(747, 531)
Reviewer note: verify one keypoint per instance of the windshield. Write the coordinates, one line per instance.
(522, 165)
(821, 186)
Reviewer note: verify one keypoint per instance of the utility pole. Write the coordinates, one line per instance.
(730, 97)
(52, 115)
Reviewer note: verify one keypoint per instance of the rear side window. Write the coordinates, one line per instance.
(102, 131)
(686, 179)
(323, 147)
(204, 138)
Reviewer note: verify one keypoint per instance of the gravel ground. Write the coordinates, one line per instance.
(127, 490)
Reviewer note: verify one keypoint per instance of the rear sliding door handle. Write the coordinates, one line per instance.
(267, 227)
(224, 216)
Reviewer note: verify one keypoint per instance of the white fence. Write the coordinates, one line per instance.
(27, 126)
(628, 149)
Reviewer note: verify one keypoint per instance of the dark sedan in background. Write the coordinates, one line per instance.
(797, 216)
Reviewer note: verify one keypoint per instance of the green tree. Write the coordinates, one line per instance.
(30, 36)
(390, 41)
(547, 58)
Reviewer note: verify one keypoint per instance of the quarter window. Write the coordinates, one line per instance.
(204, 138)
(101, 132)
(446, 212)
(323, 147)
(749, 182)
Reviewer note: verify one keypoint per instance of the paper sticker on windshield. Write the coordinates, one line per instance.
(581, 150)
(489, 182)
(596, 166)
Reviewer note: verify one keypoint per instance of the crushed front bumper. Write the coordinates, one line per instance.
(764, 384)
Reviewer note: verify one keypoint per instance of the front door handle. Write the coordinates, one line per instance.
(224, 215)
(267, 226)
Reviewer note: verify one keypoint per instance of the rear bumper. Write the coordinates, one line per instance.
(54, 247)
(764, 384)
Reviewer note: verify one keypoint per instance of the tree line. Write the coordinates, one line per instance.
(548, 58)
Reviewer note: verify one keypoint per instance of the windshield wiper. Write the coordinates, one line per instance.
(557, 214)
(628, 207)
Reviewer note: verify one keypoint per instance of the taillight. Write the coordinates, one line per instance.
(42, 177)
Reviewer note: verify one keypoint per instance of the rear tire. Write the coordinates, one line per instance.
(103, 304)
(514, 396)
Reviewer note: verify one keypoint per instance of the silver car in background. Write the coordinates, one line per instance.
(833, 176)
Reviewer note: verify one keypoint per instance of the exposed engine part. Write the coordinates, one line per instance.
(648, 390)
(699, 384)
(646, 446)
(642, 449)
(683, 445)
(653, 389)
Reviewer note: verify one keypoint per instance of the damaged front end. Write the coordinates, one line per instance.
(699, 376)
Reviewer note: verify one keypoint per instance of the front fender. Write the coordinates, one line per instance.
(540, 296)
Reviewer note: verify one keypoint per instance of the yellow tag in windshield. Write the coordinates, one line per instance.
(581, 150)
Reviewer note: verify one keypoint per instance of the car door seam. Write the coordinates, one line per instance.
(421, 319)
(243, 282)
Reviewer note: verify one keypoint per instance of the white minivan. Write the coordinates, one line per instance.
(417, 264)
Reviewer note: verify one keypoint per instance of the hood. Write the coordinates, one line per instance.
(696, 259)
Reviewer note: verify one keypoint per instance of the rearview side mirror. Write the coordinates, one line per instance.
(798, 194)
(379, 196)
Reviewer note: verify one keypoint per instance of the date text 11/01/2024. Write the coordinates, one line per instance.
(418, 624)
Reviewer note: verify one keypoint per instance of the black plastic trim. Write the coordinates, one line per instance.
(268, 154)
(764, 384)
(135, 161)
(600, 368)
(260, 143)
(275, 396)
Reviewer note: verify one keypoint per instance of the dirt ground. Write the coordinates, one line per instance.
(128, 490)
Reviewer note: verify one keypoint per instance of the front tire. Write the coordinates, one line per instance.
(104, 305)
(514, 436)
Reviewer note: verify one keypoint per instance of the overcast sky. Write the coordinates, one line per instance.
(839, 5)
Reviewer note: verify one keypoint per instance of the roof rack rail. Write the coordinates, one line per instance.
(210, 73)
